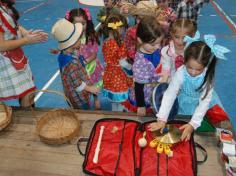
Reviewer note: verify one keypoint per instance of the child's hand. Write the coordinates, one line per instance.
(32, 38)
(187, 131)
(94, 89)
(159, 125)
(141, 111)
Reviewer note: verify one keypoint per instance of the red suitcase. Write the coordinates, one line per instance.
(121, 155)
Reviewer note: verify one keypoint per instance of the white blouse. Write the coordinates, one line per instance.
(171, 94)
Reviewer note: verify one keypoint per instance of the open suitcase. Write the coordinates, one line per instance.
(121, 155)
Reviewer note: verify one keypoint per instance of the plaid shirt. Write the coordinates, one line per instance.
(190, 9)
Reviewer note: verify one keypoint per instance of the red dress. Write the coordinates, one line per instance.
(116, 83)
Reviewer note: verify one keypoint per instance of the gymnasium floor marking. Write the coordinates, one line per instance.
(34, 7)
(225, 17)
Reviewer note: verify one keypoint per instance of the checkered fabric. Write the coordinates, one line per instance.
(72, 75)
(14, 83)
(190, 9)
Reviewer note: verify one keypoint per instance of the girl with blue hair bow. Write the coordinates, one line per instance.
(193, 85)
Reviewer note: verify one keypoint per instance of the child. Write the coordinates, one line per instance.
(167, 15)
(140, 10)
(116, 83)
(146, 67)
(89, 47)
(172, 54)
(15, 73)
(110, 8)
(193, 85)
(75, 80)
(190, 9)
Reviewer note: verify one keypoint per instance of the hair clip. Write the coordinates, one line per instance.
(115, 25)
(67, 16)
(87, 12)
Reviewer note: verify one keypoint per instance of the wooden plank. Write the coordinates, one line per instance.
(33, 165)
(22, 152)
(38, 146)
(41, 156)
(23, 172)
(213, 165)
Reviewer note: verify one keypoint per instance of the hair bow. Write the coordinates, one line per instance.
(88, 13)
(115, 25)
(67, 16)
(190, 40)
(218, 50)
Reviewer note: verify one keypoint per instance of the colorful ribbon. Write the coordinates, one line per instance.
(67, 16)
(115, 25)
(210, 40)
(218, 50)
(88, 14)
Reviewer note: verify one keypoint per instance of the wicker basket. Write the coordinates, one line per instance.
(5, 116)
(57, 126)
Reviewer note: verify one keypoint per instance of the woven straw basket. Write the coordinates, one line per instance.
(5, 116)
(57, 126)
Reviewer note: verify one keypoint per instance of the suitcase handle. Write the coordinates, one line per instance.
(204, 152)
(80, 141)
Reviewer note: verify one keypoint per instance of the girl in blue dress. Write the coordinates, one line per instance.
(193, 86)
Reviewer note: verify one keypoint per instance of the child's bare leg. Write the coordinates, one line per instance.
(27, 101)
(97, 104)
(141, 111)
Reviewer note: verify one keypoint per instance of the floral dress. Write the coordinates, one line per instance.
(115, 81)
(146, 70)
(16, 79)
(94, 68)
(130, 42)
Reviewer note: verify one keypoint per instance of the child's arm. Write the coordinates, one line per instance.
(166, 65)
(201, 109)
(77, 79)
(170, 95)
(91, 89)
(167, 101)
(30, 38)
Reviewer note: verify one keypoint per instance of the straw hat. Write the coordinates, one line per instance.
(144, 8)
(66, 33)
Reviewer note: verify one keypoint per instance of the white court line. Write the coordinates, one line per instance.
(53, 78)
(226, 16)
(34, 7)
(212, 15)
(29, 1)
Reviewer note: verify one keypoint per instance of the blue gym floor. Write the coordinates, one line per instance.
(42, 14)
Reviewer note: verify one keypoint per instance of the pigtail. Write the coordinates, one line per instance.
(209, 77)
(91, 34)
